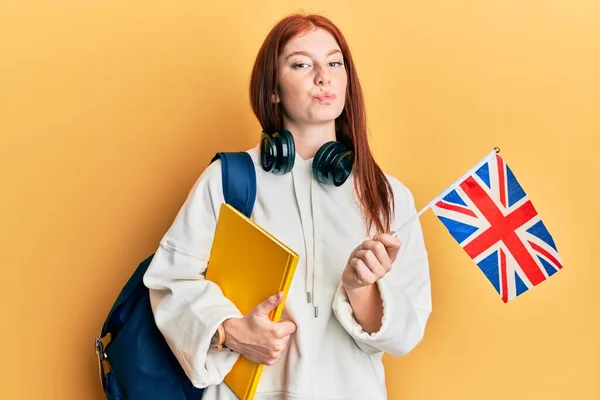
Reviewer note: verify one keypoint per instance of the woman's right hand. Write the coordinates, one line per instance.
(256, 337)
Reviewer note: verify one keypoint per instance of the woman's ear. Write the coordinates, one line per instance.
(275, 98)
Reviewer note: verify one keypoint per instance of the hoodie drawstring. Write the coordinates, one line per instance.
(316, 247)
(311, 275)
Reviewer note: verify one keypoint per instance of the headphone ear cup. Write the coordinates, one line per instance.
(343, 163)
(333, 164)
(277, 152)
(286, 151)
(268, 152)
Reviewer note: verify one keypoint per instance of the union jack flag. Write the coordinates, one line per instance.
(491, 217)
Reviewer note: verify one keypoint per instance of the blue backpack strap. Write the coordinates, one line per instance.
(239, 180)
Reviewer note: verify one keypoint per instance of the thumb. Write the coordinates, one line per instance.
(265, 308)
(391, 242)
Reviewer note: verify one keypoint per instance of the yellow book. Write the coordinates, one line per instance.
(249, 265)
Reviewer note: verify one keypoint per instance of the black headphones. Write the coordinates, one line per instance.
(332, 163)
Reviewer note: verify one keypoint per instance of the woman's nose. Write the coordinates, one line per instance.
(322, 76)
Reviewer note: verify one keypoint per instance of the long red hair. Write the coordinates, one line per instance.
(372, 187)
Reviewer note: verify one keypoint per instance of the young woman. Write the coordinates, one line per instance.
(358, 290)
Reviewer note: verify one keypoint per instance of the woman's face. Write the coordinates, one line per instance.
(312, 79)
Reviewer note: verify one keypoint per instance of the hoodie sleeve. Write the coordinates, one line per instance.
(187, 308)
(405, 290)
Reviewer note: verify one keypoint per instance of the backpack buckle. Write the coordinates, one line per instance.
(104, 366)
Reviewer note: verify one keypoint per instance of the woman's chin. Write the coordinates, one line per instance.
(324, 116)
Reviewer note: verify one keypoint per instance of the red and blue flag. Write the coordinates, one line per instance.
(489, 214)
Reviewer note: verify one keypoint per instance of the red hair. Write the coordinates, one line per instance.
(372, 187)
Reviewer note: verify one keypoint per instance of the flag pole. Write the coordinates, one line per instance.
(484, 160)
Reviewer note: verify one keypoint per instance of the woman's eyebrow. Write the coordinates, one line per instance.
(305, 53)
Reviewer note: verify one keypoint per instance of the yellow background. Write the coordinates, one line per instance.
(109, 112)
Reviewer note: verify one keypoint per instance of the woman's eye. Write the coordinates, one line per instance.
(299, 65)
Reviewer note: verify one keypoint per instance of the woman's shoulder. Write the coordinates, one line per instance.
(404, 201)
(401, 191)
(211, 177)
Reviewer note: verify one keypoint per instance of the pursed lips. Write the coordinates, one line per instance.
(324, 96)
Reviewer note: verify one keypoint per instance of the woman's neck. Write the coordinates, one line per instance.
(309, 138)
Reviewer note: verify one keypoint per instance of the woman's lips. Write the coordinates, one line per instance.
(325, 96)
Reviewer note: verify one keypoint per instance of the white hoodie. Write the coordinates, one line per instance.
(329, 356)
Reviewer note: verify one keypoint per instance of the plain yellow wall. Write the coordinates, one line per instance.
(110, 110)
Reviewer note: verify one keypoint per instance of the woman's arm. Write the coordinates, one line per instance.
(404, 293)
(187, 308)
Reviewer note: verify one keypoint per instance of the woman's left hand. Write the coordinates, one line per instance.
(370, 261)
